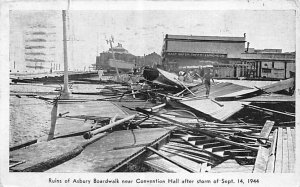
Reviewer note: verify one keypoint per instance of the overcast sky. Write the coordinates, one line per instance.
(141, 32)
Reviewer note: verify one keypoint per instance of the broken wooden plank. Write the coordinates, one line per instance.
(193, 138)
(210, 145)
(280, 85)
(97, 131)
(200, 142)
(265, 132)
(162, 165)
(272, 151)
(294, 139)
(19, 146)
(285, 153)
(261, 161)
(196, 155)
(238, 94)
(278, 155)
(220, 132)
(193, 158)
(218, 103)
(219, 148)
(194, 150)
(238, 152)
(131, 146)
(236, 144)
(244, 138)
(270, 99)
(171, 160)
(291, 152)
(16, 163)
(270, 110)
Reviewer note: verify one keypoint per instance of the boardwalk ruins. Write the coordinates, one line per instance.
(165, 125)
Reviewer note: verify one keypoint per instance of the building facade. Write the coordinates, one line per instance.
(184, 52)
(125, 60)
(152, 59)
(268, 64)
(228, 56)
(35, 43)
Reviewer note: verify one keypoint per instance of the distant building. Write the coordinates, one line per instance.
(39, 49)
(184, 51)
(34, 44)
(151, 60)
(228, 56)
(124, 60)
(268, 63)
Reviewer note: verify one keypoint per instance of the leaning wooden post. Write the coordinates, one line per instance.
(53, 120)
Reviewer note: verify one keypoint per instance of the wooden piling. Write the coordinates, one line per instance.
(53, 120)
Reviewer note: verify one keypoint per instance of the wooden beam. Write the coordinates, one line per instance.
(104, 128)
(236, 144)
(171, 160)
(278, 155)
(291, 152)
(285, 153)
(187, 155)
(265, 132)
(190, 151)
(156, 107)
(182, 84)
(17, 163)
(269, 110)
(23, 145)
(280, 85)
(221, 105)
(176, 123)
(272, 151)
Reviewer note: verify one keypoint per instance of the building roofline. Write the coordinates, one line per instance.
(205, 38)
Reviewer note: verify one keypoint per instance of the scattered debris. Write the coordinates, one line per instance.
(234, 126)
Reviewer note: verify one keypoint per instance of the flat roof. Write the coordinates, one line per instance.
(206, 38)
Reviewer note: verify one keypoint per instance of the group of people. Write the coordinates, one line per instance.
(204, 74)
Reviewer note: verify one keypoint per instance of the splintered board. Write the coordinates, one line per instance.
(280, 157)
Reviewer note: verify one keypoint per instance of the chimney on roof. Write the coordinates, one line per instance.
(248, 43)
(245, 35)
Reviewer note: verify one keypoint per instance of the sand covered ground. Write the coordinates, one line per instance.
(30, 118)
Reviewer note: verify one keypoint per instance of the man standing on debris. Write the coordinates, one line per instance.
(201, 73)
(207, 78)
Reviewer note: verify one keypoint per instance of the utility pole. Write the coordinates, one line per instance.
(66, 94)
(110, 41)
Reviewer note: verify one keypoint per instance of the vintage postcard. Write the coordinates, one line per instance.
(143, 93)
